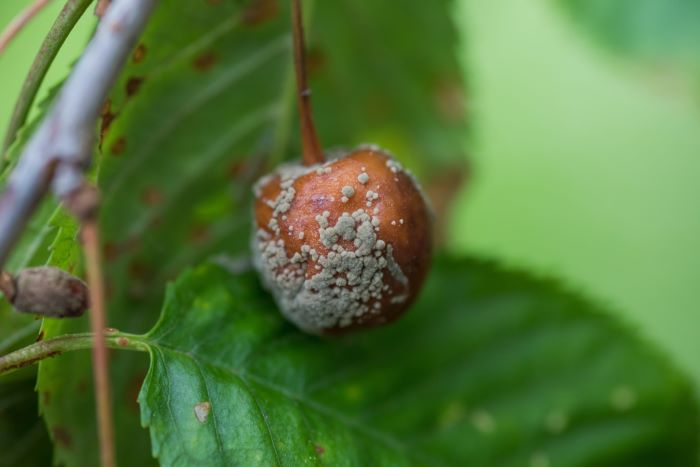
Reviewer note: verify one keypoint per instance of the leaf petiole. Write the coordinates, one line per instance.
(56, 346)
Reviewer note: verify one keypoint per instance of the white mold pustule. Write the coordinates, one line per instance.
(346, 265)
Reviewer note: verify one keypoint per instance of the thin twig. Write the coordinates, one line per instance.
(57, 156)
(64, 24)
(101, 7)
(312, 153)
(100, 357)
(41, 350)
(60, 149)
(19, 21)
(83, 203)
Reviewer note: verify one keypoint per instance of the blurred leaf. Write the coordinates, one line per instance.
(32, 249)
(50, 239)
(390, 79)
(23, 437)
(203, 102)
(663, 32)
(169, 136)
(584, 171)
(489, 368)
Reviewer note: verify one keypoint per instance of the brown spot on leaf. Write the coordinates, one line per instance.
(82, 386)
(137, 270)
(235, 169)
(110, 250)
(122, 341)
(201, 411)
(157, 222)
(205, 61)
(62, 436)
(133, 85)
(46, 398)
(106, 106)
(109, 289)
(320, 450)
(140, 273)
(139, 53)
(198, 234)
(213, 2)
(315, 60)
(107, 118)
(260, 11)
(137, 290)
(151, 196)
(133, 388)
(450, 100)
(118, 146)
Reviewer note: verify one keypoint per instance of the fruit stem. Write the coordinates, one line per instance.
(311, 147)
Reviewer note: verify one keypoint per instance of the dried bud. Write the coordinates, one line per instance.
(343, 245)
(49, 292)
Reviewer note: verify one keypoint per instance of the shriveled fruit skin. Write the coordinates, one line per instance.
(344, 245)
(49, 292)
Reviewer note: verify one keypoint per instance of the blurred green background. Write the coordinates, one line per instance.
(585, 167)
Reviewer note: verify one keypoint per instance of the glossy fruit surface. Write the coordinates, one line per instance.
(342, 245)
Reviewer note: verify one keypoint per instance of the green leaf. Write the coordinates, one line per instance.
(662, 32)
(50, 239)
(23, 437)
(203, 105)
(390, 79)
(490, 367)
(32, 248)
(181, 113)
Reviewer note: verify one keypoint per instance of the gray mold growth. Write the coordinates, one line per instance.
(394, 165)
(348, 279)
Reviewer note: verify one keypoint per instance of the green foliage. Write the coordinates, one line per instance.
(489, 368)
(33, 246)
(657, 31)
(178, 118)
(48, 239)
(23, 437)
(586, 167)
(377, 78)
(201, 107)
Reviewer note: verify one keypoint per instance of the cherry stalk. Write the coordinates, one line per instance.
(312, 153)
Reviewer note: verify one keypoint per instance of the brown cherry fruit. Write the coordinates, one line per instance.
(342, 245)
(45, 291)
